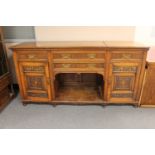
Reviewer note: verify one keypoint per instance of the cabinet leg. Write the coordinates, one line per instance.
(24, 104)
(54, 105)
(136, 105)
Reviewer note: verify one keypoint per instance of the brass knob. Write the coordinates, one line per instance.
(66, 65)
(91, 56)
(66, 56)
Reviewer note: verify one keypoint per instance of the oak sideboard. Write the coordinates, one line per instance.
(105, 72)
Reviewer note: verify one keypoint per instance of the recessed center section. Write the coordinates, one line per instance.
(79, 87)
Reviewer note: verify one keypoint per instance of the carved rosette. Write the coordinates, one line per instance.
(33, 68)
(123, 82)
(124, 69)
(35, 82)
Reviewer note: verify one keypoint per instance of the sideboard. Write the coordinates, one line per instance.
(105, 72)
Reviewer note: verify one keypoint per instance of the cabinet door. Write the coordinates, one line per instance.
(35, 81)
(123, 82)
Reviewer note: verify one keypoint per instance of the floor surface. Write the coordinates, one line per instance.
(34, 116)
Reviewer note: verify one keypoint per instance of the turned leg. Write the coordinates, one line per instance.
(54, 105)
(24, 104)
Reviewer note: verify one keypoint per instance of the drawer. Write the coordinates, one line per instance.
(79, 65)
(127, 55)
(79, 55)
(32, 56)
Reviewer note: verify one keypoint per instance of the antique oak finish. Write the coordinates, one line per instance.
(80, 72)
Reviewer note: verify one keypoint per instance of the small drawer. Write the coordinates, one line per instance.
(78, 65)
(127, 55)
(22, 55)
(78, 55)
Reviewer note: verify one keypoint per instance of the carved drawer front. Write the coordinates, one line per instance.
(82, 55)
(35, 81)
(32, 55)
(123, 81)
(126, 55)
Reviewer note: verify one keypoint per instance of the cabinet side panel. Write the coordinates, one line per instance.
(148, 97)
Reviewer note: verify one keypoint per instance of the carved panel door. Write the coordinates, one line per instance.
(35, 81)
(123, 82)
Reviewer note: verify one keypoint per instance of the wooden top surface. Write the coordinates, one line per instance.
(80, 44)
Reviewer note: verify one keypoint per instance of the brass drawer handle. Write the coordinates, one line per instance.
(66, 65)
(31, 56)
(91, 56)
(126, 56)
(91, 65)
(66, 56)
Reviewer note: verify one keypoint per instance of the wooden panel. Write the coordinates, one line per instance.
(89, 79)
(148, 94)
(123, 82)
(35, 81)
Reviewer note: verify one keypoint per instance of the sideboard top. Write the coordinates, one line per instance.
(124, 44)
(79, 44)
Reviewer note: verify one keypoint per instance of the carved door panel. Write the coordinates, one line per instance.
(35, 81)
(123, 82)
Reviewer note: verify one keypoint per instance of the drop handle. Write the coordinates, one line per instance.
(66, 56)
(66, 65)
(91, 56)
(126, 56)
(31, 56)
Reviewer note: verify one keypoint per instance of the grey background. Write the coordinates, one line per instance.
(19, 32)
